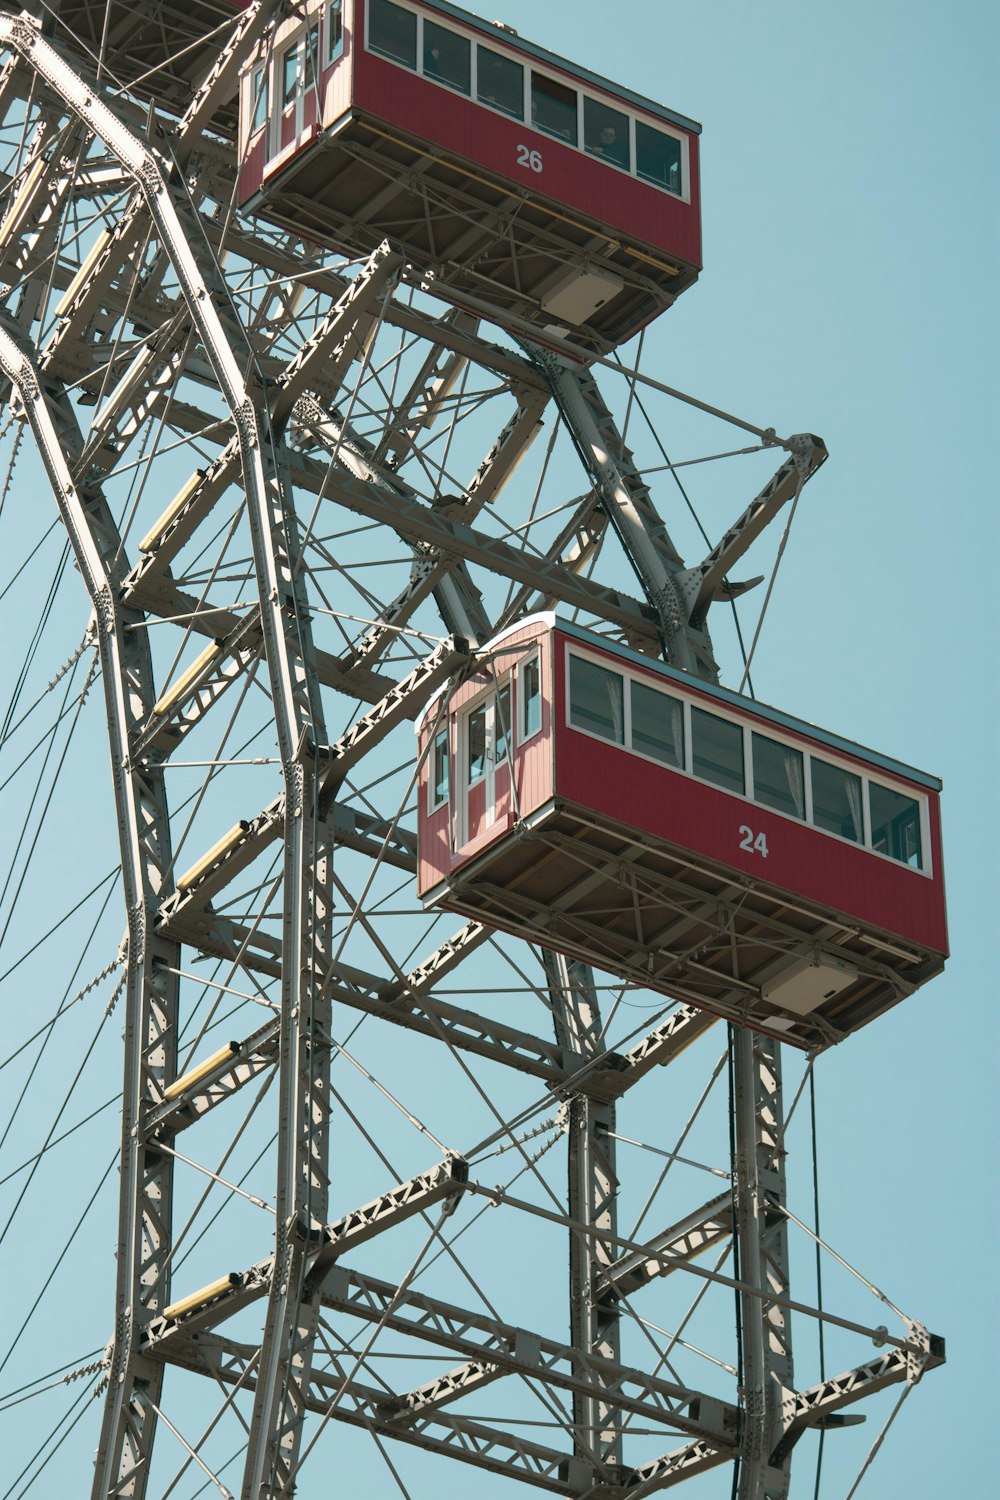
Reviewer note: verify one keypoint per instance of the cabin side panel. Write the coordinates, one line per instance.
(484, 138)
(726, 829)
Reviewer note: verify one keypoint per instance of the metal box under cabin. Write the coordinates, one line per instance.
(679, 836)
(517, 184)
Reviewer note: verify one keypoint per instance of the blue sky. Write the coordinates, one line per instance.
(849, 182)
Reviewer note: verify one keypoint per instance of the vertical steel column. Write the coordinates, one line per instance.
(593, 1204)
(761, 1230)
(146, 1175)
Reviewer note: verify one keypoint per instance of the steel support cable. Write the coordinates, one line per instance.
(77, 1369)
(78, 1401)
(48, 1028)
(44, 939)
(59, 1259)
(39, 630)
(771, 581)
(689, 1126)
(876, 1445)
(45, 808)
(697, 520)
(237, 1188)
(8, 734)
(443, 1036)
(47, 734)
(59, 1140)
(229, 1396)
(211, 1224)
(447, 1246)
(52, 1127)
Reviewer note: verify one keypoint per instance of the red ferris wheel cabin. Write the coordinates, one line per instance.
(679, 836)
(518, 183)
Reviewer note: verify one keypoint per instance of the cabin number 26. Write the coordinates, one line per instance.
(526, 157)
(753, 843)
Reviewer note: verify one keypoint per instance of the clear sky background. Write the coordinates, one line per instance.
(850, 230)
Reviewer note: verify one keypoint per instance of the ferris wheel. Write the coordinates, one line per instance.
(453, 1118)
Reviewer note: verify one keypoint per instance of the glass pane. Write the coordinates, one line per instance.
(334, 29)
(312, 57)
(500, 83)
(657, 157)
(605, 133)
(392, 31)
(289, 76)
(836, 800)
(475, 727)
(259, 106)
(447, 57)
(717, 750)
(778, 779)
(501, 729)
(596, 698)
(440, 768)
(895, 824)
(657, 725)
(531, 699)
(553, 108)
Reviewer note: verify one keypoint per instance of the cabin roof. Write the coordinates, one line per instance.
(496, 32)
(739, 702)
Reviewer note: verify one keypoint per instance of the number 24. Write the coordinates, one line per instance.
(754, 844)
(528, 158)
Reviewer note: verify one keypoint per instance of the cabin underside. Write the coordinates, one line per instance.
(662, 919)
(478, 242)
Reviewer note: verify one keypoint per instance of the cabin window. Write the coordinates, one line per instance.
(529, 692)
(836, 799)
(392, 32)
(440, 785)
(258, 103)
(289, 76)
(778, 776)
(475, 728)
(657, 725)
(717, 750)
(657, 157)
(605, 133)
(447, 57)
(597, 699)
(311, 58)
(553, 108)
(500, 83)
(895, 824)
(501, 729)
(334, 29)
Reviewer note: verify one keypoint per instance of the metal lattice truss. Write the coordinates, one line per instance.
(302, 409)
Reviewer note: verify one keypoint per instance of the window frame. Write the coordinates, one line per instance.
(534, 658)
(434, 803)
(332, 51)
(749, 726)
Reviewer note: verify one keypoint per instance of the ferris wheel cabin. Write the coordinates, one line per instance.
(679, 836)
(519, 185)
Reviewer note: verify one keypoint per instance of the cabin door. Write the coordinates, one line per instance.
(487, 738)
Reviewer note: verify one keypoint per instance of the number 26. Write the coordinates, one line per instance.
(528, 158)
(754, 844)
